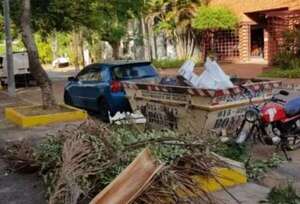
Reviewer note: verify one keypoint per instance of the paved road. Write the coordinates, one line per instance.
(30, 192)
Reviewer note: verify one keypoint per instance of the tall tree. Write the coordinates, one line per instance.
(115, 16)
(174, 18)
(35, 66)
(211, 19)
(45, 16)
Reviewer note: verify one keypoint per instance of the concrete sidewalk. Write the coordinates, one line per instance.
(249, 193)
(240, 70)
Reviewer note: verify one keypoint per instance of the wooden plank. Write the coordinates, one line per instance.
(131, 182)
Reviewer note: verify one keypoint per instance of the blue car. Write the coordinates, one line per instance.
(98, 87)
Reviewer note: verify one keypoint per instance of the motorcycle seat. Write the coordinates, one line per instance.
(292, 107)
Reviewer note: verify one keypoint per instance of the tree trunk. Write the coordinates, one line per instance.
(116, 48)
(54, 45)
(75, 44)
(205, 45)
(35, 66)
(145, 34)
(155, 46)
(165, 46)
(149, 39)
(81, 48)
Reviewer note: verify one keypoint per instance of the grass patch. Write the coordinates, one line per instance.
(171, 63)
(282, 73)
(257, 168)
(232, 151)
(240, 152)
(283, 195)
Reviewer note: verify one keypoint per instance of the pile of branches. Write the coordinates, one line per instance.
(20, 156)
(78, 162)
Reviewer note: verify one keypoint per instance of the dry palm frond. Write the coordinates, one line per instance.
(86, 152)
(93, 155)
(174, 184)
(20, 157)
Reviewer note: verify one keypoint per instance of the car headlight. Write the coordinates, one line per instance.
(251, 115)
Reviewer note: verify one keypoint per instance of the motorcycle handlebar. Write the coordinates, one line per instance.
(278, 100)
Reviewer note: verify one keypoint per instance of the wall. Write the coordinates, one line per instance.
(242, 6)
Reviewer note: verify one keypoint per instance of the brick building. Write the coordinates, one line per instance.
(259, 36)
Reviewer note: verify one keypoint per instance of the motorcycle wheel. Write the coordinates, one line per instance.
(251, 136)
(293, 142)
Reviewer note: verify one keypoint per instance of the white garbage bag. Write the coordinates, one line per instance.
(212, 77)
(187, 70)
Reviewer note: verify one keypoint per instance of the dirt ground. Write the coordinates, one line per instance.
(28, 189)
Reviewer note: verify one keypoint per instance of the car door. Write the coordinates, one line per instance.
(92, 85)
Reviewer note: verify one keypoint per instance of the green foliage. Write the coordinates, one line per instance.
(283, 195)
(48, 155)
(286, 60)
(256, 169)
(1, 28)
(232, 150)
(171, 63)
(44, 48)
(289, 56)
(214, 18)
(282, 73)
(124, 141)
(114, 17)
(55, 15)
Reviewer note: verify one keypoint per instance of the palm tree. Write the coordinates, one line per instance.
(174, 19)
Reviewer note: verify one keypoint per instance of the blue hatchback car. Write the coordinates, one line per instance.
(98, 87)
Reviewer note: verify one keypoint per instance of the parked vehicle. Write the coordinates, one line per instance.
(21, 69)
(61, 62)
(276, 122)
(98, 87)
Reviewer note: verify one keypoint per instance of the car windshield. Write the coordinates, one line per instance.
(129, 72)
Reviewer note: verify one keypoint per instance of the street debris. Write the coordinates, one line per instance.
(131, 182)
(213, 76)
(126, 118)
(20, 157)
(79, 161)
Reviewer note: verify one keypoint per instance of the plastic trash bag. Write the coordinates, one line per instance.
(213, 76)
(187, 70)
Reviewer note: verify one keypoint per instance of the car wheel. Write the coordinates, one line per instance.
(104, 110)
(68, 99)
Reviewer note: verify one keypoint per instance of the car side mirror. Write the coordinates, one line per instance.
(72, 78)
(284, 93)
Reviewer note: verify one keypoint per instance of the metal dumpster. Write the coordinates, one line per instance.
(187, 109)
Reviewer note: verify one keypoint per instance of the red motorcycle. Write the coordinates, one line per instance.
(276, 122)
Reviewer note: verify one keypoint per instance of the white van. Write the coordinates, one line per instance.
(21, 69)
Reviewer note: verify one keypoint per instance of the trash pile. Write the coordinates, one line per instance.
(213, 77)
(153, 167)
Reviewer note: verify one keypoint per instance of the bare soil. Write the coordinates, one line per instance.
(39, 110)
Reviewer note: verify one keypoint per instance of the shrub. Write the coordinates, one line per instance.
(232, 150)
(282, 195)
(256, 168)
(170, 63)
(282, 73)
(289, 57)
(283, 60)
